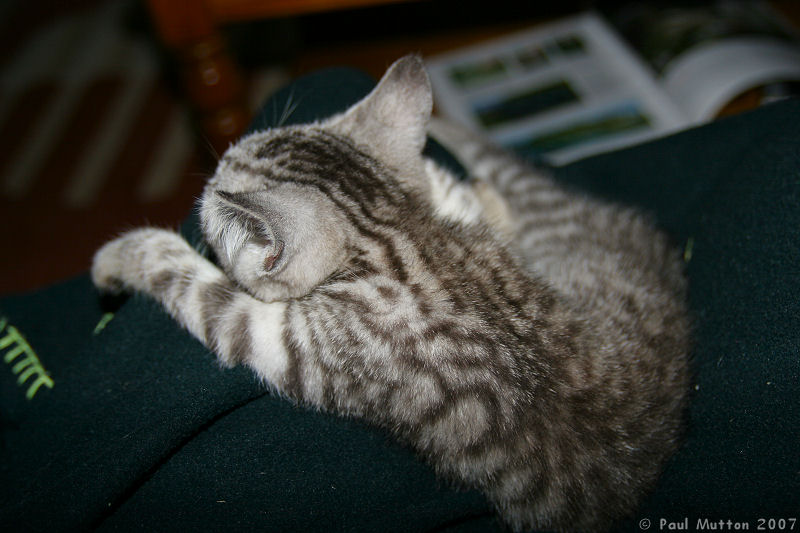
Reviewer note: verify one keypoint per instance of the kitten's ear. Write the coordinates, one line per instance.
(395, 114)
(266, 232)
(247, 203)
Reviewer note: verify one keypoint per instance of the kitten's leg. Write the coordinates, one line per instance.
(524, 189)
(236, 326)
(496, 211)
(469, 201)
(547, 218)
(603, 256)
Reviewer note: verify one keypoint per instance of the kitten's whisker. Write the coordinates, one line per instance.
(289, 108)
(209, 146)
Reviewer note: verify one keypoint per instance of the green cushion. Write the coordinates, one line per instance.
(143, 431)
(731, 190)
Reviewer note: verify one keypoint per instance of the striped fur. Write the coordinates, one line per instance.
(523, 339)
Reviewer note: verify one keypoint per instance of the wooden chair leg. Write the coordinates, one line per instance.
(211, 79)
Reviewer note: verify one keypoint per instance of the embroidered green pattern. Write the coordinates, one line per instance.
(687, 251)
(104, 320)
(27, 366)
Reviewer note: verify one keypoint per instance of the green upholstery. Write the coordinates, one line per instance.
(142, 430)
(731, 190)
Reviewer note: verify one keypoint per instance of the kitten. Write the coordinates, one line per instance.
(523, 339)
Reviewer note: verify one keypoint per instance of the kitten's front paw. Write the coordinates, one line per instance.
(108, 265)
(124, 262)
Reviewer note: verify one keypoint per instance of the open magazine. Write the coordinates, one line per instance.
(578, 87)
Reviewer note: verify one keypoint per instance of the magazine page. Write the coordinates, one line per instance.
(705, 56)
(561, 91)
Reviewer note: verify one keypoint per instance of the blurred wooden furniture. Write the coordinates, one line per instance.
(213, 83)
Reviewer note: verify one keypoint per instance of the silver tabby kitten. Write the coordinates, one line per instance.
(528, 342)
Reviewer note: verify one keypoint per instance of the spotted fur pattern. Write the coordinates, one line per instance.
(523, 339)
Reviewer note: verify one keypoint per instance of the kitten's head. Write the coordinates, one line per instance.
(284, 207)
